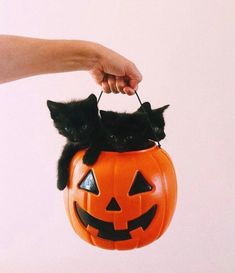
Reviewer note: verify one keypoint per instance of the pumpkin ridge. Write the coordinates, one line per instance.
(140, 197)
(165, 198)
(166, 157)
(113, 185)
(85, 203)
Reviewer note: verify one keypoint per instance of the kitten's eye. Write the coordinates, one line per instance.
(66, 129)
(112, 136)
(84, 126)
(129, 137)
(158, 130)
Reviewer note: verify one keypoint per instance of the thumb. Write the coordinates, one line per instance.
(133, 84)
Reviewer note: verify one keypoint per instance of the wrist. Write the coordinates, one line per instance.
(95, 55)
(88, 55)
(70, 55)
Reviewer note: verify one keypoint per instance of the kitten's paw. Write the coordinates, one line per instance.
(62, 182)
(89, 159)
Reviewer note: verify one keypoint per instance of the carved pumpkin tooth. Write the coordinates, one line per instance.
(93, 231)
(137, 233)
(120, 223)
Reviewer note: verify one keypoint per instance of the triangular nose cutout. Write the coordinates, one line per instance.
(113, 205)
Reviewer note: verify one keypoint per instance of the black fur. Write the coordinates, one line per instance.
(79, 122)
(124, 131)
(156, 119)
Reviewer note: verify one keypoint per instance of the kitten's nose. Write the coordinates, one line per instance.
(75, 139)
(75, 136)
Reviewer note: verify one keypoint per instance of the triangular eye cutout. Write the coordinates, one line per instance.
(140, 185)
(89, 183)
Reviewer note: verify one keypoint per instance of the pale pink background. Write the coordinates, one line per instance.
(184, 51)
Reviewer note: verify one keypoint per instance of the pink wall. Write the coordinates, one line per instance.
(184, 51)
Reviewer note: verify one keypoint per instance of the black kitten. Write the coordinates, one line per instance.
(156, 119)
(124, 131)
(79, 122)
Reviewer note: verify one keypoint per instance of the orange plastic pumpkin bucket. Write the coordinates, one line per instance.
(124, 201)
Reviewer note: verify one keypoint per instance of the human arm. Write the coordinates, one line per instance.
(24, 57)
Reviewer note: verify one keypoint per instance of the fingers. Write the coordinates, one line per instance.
(130, 86)
(129, 91)
(125, 84)
(105, 87)
(133, 77)
(120, 83)
(133, 84)
(113, 84)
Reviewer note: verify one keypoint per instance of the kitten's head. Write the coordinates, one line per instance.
(156, 119)
(75, 120)
(124, 130)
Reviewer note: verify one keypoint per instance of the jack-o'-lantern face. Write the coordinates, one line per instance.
(121, 202)
(106, 229)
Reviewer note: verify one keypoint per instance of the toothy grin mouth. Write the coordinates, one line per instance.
(106, 229)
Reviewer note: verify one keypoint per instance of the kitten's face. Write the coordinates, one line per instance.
(158, 124)
(124, 131)
(75, 120)
(156, 119)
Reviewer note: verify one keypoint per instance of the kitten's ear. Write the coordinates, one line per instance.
(92, 99)
(55, 108)
(163, 108)
(145, 106)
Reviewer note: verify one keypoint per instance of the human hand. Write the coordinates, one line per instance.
(114, 73)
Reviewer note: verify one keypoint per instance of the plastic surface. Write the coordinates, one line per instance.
(101, 209)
